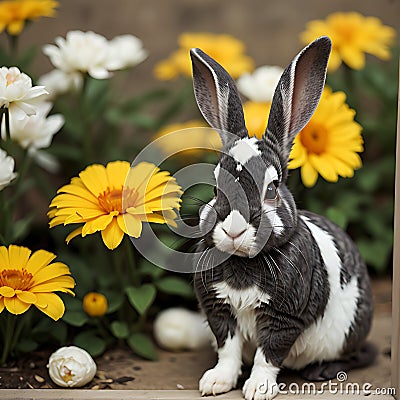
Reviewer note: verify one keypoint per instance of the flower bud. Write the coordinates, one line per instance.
(71, 367)
(95, 304)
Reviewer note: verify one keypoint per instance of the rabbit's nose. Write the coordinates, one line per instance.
(235, 234)
(234, 224)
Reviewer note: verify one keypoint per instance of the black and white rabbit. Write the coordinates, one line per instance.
(288, 281)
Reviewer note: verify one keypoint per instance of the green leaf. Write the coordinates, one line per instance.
(175, 285)
(115, 300)
(27, 345)
(21, 227)
(72, 303)
(147, 268)
(119, 329)
(81, 272)
(368, 179)
(75, 318)
(375, 253)
(66, 152)
(142, 297)
(90, 342)
(142, 346)
(47, 327)
(337, 216)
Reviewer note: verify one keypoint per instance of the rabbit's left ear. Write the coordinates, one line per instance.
(217, 97)
(297, 94)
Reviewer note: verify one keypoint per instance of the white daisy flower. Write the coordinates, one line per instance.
(35, 131)
(88, 52)
(7, 173)
(80, 52)
(58, 82)
(260, 85)
(17, 93)
(125, 51)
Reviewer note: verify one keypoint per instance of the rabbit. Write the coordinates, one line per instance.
(287, 281)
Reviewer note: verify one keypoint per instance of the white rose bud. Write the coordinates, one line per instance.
(71, 367)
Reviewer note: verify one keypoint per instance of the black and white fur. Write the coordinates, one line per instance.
(291, 283)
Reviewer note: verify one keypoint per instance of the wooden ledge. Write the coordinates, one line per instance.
(78, 394)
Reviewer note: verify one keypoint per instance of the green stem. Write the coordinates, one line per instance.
(131, 261)
(2, 111)
(350, 87)
(8, 337)
(24, 320)
(86, 134)
(23, 169)
(6, 217)
(102, 328)
(7, 119)
(13, 42)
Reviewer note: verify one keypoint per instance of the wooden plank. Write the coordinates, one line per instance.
(77, 394)
(396, 271)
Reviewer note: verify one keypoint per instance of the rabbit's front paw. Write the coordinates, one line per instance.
(258, 387)
(217, 380)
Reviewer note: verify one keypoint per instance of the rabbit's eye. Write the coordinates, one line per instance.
(272, 192)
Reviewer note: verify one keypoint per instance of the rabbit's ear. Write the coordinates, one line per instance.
(297, 94)
(217, 97)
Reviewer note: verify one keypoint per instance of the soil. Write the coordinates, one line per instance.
(118, 368)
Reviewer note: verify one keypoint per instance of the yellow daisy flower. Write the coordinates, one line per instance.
(256, 117)
(352, 36)
(329, 143)
(188, 139)
(116, 199)
(30, 279)
(14, 13)
(225, 49)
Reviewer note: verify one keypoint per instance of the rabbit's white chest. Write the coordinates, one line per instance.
(243, 303)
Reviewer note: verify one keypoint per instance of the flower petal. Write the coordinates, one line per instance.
(112, 235)
(308, 174)
(117, 172)
(60, 284)
(95, 178)
(97, 224)
(133, 225)
(51, 271)
(26, 297)
(324, 167)
(54, 307)
(19, 256)
(7, 291)
(15, 305)
(76, 232)
(38, 260)
(4, 261)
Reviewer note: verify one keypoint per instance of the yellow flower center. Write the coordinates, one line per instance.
(10, 79)
(314, 138)
(66, 374)
(16, 279)
(111, 199)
